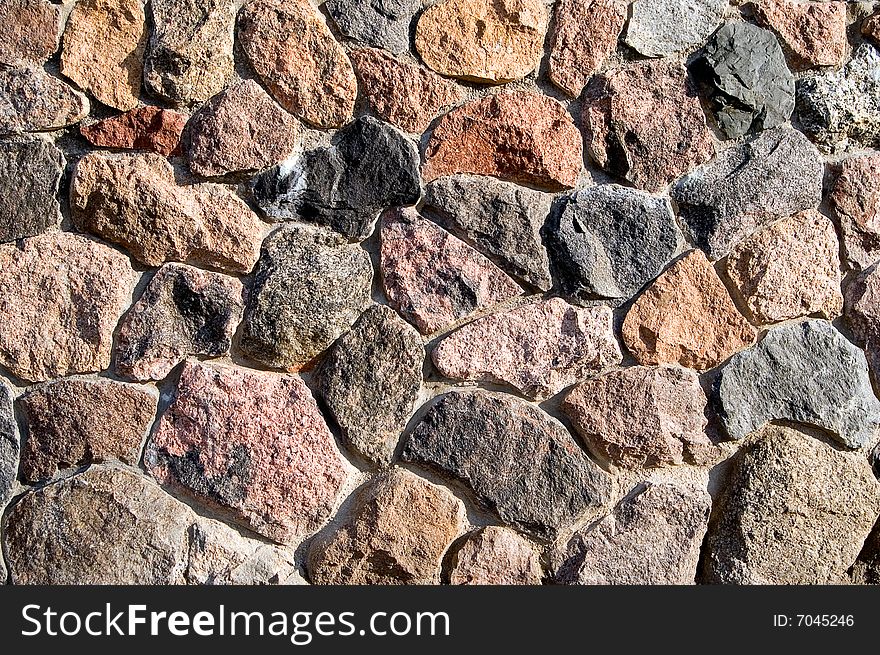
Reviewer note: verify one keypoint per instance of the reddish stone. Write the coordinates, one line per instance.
(855, 198)
(871, 27)
(496, 556)
(30, 30)
(813, 32)
(146, 128)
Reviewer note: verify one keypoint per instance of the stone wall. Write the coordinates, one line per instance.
(477, 292)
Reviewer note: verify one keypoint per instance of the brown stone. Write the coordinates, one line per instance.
(813, 33)
(30, 30)
(863, 314)
(73, 421)
(242, 129)
(134, 201)
(396, 533)
(585, 35)
(871, 27)
(790, 269)
(496, 556)
(644, 123)
(519, 136)
(401, 93)
(61, 296)
(293, 52)
(34, 101)
(686, 317)
(855, 198)
(103, 50)
(146, 128)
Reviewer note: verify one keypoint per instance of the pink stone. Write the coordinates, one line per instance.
(30, 30)
(496, 556)
(855, 198)
(146, 128)
(813, 32)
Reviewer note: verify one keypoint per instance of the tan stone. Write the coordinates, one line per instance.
(814, 33)
(496, 556)
(30, 30)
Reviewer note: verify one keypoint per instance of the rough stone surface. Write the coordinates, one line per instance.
(370, 380)
(8, 445)
(748, 83)
(652, 537)
(183, 311)
(518, 136)
(146, 128)
(241, 129)
(103, 51)
(503, 220)
(871, 27)
(377, 23)
(116, 527)
(863, 314)
(189, 57)
(538, 482)
(496, 556)
(686, 317)
(658, 28)
(251, 444)
(584, 36)
(644, 124)
(31, 100)
(134, 201)
(841, 109)
(806, 372)
(401, 93)
(642, 416)
(482, 40)
(57, 320)
(773, 176)
(294, 54)
(790, 269)
(795, 511)
(432, 278)
(71, 422)
(308, 288)
(30, 174)
(608, 241)
(396, 533)
(814, 33)
(369, 166)
(855, 198)
(30, 30)
(538, 349)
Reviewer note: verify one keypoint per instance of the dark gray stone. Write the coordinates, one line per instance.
(30, 172)
(747, 80)
(370, 166)
(804, 372)
(370, 379)
(31, 100)
(501, 219)
(516, 460)
(608, 241)
(8, 444)
(773, 176)
(377, 23)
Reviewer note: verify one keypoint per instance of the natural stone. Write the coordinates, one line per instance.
(251, 444)
(539, 481)
(749, 86)
(30, 174)
(518, 136)
(795, 511)
(31, 100)
(608, 241)
(871, 27)
(644, 124)
(403, 94)
(642, 416)
(30, 30)
(116, 527)
(863, 314)
(308, 288)
(538, 349)
(790, 269)
(294, 54)
(241, 129)
(495, 556)
(773, 176)
(146, 128)
(61, 296)
(103, 51)
(71, 422)
(369, 166)
(432, 278)
(503, 220)
(652, 537)
(805, 372)
(134, 201)
(396, 533)
(370, 380)
(814, 33)
(686, 317)
(8, 446)
(855, 198)
(841, 109)
(183, 311)
(189, 57)
(584, 36)
(376, 23)
(658, 28)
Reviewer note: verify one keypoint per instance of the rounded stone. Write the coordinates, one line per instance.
(30, 30)
(377, 23)
(495, 556)
(814, 33)
(659, 28)
(34, 101)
